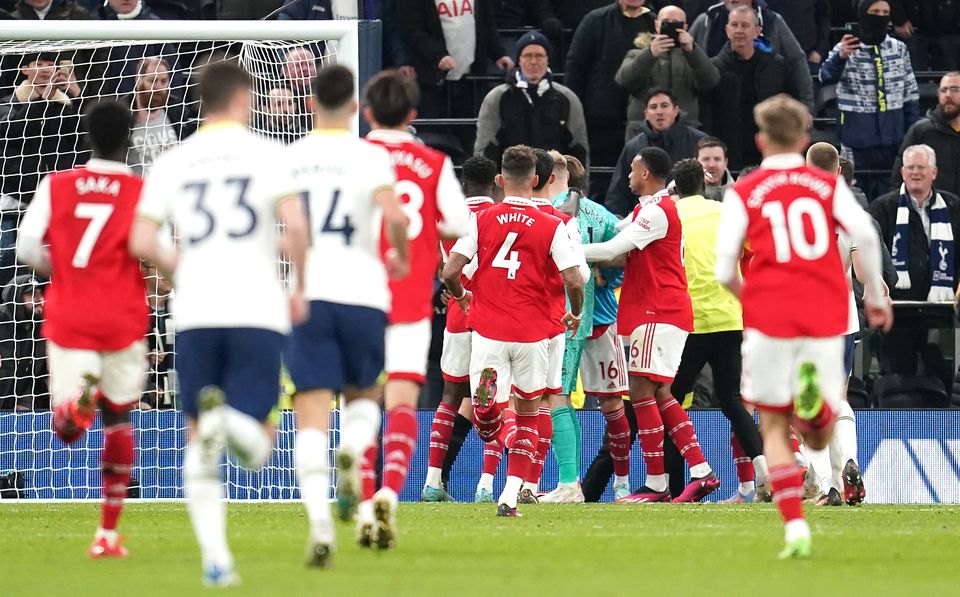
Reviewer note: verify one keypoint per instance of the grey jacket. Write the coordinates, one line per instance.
(686, 74)
(716, 191)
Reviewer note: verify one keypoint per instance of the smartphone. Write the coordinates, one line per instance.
(852, 29)
(672, 30)
(66, 67)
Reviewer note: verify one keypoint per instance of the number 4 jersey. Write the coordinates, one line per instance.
(96, 299)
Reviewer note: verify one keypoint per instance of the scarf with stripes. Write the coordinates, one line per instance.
(941, 247)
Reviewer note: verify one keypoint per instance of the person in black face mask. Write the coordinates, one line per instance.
(877, 94)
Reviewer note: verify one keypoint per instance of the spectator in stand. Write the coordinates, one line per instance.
(665, 127)
(940, 129)
(306, 10)
(531, 109)
(671, 60)
(161, 118)
(298, 70)
(877, 93)
(931, 29)
(809, 21)
(50, 10)
(572, 12)
(277, 117)
(246, 10)
(125, 10)
(24, 378)
(159, 341)
(710, 33)
(712, 155)
(39, 125)
(919, 225)
(447, 40)
(747, 77)
(514, 14)
(596, 52)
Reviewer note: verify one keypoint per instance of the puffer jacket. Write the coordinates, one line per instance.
(937, 132)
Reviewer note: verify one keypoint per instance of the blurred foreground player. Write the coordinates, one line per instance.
(789, 214)
(225, 194)
(95, 340)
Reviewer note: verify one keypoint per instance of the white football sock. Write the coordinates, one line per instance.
(845, 432)
(250, 443)
(700, 470)
(624, 480)
(533, 487)
(746, 487)
(434, 477)
(314, 476)
(486, 482)
(510, 490)
(820, 461)
(208, 513)
(760, 469)
(360, 422)
(796, 529)
(110, 536)
(657, 482)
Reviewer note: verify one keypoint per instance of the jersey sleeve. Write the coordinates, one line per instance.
(156, 195)
(562, 250)
(379, 170)
(857, 226)
(451, 203)
(33, 227)
(467, 245)
(730, 236)
(649, 225)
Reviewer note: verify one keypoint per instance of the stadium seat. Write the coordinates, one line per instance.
(900, 391)
(857, 394)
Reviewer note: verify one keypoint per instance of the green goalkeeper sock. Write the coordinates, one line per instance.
(579, 437)
(565, 444)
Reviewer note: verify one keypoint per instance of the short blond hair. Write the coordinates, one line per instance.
(824, 156)
(782, 119)
(559, 162)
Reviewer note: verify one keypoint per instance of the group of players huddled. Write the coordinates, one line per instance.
(364, 225)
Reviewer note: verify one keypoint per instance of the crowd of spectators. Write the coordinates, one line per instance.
(596, 79)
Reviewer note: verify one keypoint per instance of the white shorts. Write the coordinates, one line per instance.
(603, 366)
(555, 363)
(121, 372)
(407, 350)
(455, 359)
(655, 351)
(520, 366)
(770, 366)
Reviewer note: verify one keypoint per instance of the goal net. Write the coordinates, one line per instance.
(45, 86)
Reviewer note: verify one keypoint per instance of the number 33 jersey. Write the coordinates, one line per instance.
(339, 175)
(219, 189)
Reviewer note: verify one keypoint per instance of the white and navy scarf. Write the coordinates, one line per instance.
(941, 247)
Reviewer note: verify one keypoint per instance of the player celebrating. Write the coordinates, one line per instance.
(517, 248)
(478, 181)
(433, 202)
(789, 213)
(222, 191)
(347, 184)
(656, 313)
(95, 340)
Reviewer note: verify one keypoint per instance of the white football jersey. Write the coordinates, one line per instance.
(339, 175)
(219, 190)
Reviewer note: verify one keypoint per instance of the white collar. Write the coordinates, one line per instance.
(43, 12)
(522, 201)
(540, 201)
(783, 161)
(107, 166)
(391, 136)
(478, 200)
(132, 14)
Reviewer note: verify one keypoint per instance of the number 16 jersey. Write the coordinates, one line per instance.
(339, 175)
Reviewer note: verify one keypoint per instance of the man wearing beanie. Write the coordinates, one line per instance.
(531, 109)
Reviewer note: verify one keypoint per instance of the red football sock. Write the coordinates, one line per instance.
(545, 434)
(116, 462)
(488, 421)
(650, 431)
(509, 430)
(524, 446)
(794, 441)
(681, 432)
(399, 440)
(824, 418)
(787, 483)
(492, 453)
(440, 432)
(741, 461)
(618, 441)
(368, 471)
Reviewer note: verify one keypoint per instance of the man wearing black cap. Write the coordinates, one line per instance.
(531, 109)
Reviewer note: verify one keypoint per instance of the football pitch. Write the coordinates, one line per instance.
(463, 549)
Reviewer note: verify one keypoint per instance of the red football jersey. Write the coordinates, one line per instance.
(795, 286)
(428, 191)
(654, 286)
(97, 298)
(517, 246)
(553, 285)
(456, 318)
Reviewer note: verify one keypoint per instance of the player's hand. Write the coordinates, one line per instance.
(445, 296)
(880, 315)
(572, 323)
(505, 63)
(465, 300)
(660, 45)
(397, 266)
(299, 311)
(848, 45)
(409, 72)
(686, 40)
(447, 63)
(598, 278)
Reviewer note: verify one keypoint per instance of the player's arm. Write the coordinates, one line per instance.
(649, 225)
(294, 242)
(573, 232)
(451, 203)
(145, 239)
(33, 228)
(395, 222)
(567, 259)
(460, 255)
(730, 236)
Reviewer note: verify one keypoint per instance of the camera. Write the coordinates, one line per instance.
(672, 30)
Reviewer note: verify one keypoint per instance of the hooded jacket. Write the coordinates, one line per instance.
(23, 351)
(60, 10)
(937, 132)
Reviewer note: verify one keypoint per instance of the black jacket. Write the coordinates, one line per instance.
(809, 20)
(884, 211)
(929, 17)
(596, 52)
(934, 130)
(23, 351)
(419, 26)
(60, 10)
(721, 110)
(679, 141)
(106, 13)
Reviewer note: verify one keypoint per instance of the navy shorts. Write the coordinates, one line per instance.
(849, 353)
(339, 346)
(243, 362)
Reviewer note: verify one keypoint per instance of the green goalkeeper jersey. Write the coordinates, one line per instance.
(597, 225)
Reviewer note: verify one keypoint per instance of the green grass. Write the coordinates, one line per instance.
(462, 549)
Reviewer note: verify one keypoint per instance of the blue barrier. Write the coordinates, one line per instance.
(906, 456)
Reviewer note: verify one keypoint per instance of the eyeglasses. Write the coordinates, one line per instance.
(533, 56)
(953, 90)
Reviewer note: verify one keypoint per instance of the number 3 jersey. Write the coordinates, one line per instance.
(518, 247)
(430, 195)
(219, 189)
(339, 175)
(96, 300)
(789, 214)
